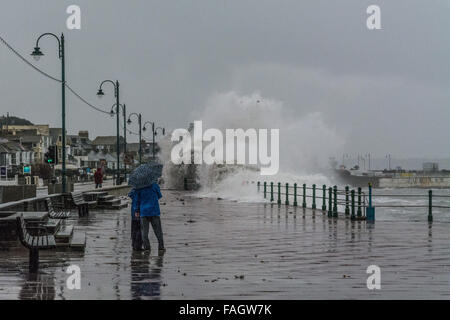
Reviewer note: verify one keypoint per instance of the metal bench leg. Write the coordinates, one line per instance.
(34, 261)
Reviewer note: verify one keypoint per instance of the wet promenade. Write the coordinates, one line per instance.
(221, 249)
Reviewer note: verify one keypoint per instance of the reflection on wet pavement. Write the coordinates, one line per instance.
(221, 249)
(145, 279)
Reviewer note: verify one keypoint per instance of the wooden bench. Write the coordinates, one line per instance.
(80, 203)
(39, 240)
(59, 213)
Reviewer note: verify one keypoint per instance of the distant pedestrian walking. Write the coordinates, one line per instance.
(98, 178)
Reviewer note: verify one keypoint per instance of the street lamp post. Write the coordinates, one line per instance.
(37, 53)
(154, 133)
(124, 111)
(100, 94)
(139, 116)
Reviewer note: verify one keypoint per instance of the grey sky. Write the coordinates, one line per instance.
(386, 91)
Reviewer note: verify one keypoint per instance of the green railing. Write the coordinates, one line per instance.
(328, 199)
(353, 202)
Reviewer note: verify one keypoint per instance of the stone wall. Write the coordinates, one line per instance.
(16, 193)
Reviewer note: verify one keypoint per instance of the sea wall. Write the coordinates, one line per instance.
(415, 182)
(17, 192)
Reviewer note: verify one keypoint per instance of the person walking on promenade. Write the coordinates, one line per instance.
(98, 178)
(143, 180)
(149, 213)
(136, 237)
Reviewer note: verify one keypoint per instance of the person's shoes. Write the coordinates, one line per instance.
(161, 250)
(137, 249)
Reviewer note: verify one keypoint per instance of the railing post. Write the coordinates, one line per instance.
(353, 217)
(314, 196)
(265, 189)
(370, 211)
(347, 203)
(295, 194)
(330, 202)
(271, 192)
(335, 209)
(324, 198)
(304, 196)
(287, 194)
(430, 205)
(359, 212)
(279, 193)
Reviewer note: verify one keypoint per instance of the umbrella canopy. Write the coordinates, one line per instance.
(145, 175)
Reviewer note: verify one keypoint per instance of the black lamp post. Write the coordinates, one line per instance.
(154, 133)
(36, 54)
(124, 112)
(100, 94)
(139, 116)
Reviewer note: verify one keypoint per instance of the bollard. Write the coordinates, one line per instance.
(279, 193)
(304, 196)
(335, 210)
(271, 192)
(370, 211)
(265, 189)
(287, 194)
(347, 203)
(330, 199)
(295, 194)
(430, 205)
(353, 217)
(185, 184)
(258, 186)
(359, 212)
(314, 197)
(324, 198)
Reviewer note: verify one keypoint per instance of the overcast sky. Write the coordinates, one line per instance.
(385, 91)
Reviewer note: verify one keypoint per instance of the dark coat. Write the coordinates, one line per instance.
(98, 177)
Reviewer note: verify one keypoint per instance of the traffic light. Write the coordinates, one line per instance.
(51, 157)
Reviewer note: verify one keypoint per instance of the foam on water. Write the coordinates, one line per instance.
(306, 142)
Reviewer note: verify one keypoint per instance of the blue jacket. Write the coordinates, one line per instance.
(134, 203)
(146, 200)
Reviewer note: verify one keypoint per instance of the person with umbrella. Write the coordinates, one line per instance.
(146, 197)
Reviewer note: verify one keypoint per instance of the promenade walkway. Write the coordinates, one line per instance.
(227, 250)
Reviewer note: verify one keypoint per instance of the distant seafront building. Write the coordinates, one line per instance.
(33, 137)
(24, 143)
(12, 153)
(107, 143)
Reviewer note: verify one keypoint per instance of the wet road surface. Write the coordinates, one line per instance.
(227, 250)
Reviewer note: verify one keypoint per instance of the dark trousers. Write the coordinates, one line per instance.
(136, 237)
(156, 225)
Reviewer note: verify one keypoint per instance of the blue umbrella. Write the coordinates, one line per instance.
(145, 175)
